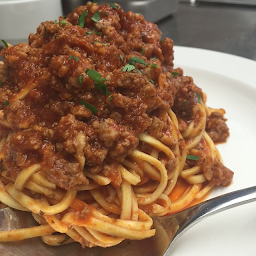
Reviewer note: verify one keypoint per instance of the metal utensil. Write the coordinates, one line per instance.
(168, 230)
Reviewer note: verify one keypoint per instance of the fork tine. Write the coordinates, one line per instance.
(169, 228)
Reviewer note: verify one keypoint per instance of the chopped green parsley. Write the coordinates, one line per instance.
(198, 97)
(113, 6)
(99, 81)
(97, 42)
(89, 106)
(154, 66)
(80, 79)
(143, 50)
(136, 59)
(62, 22)
(74, 57)
(96, 16)
(174, 74)
(82, 17)
(192, 157)
(5, 44)
(102, 88)
(128, 68)
(94, 75)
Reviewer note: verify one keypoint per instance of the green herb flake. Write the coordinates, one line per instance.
(81, 18)
(74, 57)
(5, 44)
(89, 106)
(128, 68)
(198, 97)
(102, 88)
(174, 74)
(62, 22)
(94, 75)
(80, 79)
(150, 80)
(7, 103)
(143, 50)
(88, 33)
(98, 33)
(105, 14)
(138, 71)
(96, 16)
(97, 42)
(113, 6)
(192, 157)
(110, 98)
(100, 85)
(121, 57)
(154, 66)
(136, 59)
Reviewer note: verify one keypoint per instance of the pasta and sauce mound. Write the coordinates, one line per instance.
(99, 132)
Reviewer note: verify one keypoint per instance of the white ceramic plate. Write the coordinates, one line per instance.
(230, 83)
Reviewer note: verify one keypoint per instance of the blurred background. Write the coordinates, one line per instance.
(221, 25)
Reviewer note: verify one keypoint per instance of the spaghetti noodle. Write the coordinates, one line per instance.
(99, 132)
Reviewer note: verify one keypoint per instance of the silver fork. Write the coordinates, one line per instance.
(168, 230)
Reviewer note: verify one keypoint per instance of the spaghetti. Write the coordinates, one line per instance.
(99, 132)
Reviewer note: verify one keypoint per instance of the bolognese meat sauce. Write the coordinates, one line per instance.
(84, 87)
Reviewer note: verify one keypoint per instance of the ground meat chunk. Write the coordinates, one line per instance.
(112, 172)
(216, 127)
(94, 156)
(68, 125)
(109, 132)
(216, 172)
(156, 127)
(4, 131)
(126, 143)
(25, 148)
(167, 47)
(20, 115)
(63, 173)
(185, 105)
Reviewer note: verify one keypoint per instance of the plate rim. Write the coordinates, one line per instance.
(202, 56)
